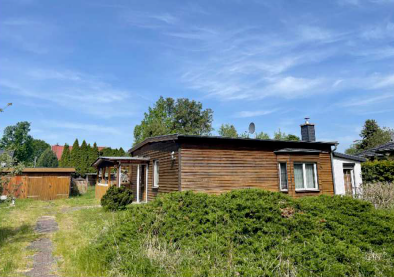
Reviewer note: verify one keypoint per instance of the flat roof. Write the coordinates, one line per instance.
(115, 160)
(348, 157)
(213, 138)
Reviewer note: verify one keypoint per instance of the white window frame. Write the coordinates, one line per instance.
(304, 177)
(156, 175)
(280, 177)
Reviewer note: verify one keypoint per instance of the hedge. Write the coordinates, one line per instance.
(378, 171)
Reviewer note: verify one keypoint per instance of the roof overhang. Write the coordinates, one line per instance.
(297, 150)
(348, 157)
(206, 139)
(111, 161)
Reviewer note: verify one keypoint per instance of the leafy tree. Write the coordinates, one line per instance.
(39, 146)
(109, 152)
(262, 135)
(47, 159)
(65, 160)
(8, 169)
(227, 130)
(17, 138)
(168, 116)
(76, 156)
(283, 136)
(372, 135)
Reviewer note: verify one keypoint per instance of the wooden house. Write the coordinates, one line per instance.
(219, 164)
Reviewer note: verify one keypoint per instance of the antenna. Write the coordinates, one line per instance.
(252, 128)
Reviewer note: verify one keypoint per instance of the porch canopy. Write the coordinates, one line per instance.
(104, 166)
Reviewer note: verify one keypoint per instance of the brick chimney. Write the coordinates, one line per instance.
(308, 131)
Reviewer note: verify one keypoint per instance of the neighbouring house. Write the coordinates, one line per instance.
(347, 173)
(41, 183)
(58, 150)
(219, 164)
(381, 152)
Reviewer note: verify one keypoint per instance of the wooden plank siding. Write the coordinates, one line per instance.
(41, 185)
(168, 168)
(221, 168)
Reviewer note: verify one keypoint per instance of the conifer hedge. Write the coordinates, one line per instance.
(378, 171)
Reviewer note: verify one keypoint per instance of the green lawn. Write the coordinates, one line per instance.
(77, 227)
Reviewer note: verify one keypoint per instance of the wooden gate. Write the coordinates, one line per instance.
(48, 187)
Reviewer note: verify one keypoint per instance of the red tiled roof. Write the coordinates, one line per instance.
(58, 150)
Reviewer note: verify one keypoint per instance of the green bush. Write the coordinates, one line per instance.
(249, 233)
(116, 198)
(378, 171)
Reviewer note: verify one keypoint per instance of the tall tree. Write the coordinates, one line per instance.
(372, 135)
(93, 155)
(75, 156)
(84, 159)
(168, 116)
(17, 138)
(65, 160)
(39, 146)
(227, 130)
(47, 159)
(283, 136)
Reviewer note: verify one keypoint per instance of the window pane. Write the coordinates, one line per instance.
(298, 176)
(283, 176)
(310, 176)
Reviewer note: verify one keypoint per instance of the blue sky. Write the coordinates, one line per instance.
(90, 69)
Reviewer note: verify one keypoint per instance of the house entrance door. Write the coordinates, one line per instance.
(347, 175)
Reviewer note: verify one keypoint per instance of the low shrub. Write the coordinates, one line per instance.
(116, 198)
(378, 171)
(380, 194)
(249, 233)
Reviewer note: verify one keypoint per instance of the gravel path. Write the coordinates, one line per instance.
(43, 260)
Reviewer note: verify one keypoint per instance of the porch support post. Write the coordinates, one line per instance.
(146, 182)
(119, 173)
(138, 183)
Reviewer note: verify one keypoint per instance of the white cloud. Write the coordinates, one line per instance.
(357, 102)
(104, 129)
(245, 114)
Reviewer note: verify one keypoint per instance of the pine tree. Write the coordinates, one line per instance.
(93, 155)
(84, 158)
(65, 160)
(121, 152)
(75, 156)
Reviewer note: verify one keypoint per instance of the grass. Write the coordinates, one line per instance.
(77, 226)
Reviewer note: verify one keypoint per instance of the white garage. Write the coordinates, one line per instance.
(347, 173)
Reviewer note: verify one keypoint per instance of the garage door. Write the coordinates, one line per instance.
(48, 187)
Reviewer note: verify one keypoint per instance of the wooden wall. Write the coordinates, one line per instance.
(41, 186)
(324, 173)
(221, 168)
(168, 168)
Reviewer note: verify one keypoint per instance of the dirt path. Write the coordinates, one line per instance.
(43, 261)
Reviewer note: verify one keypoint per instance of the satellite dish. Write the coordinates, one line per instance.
(252, 128)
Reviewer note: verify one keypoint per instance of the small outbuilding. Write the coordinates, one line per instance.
(41, 183)
(347, 173)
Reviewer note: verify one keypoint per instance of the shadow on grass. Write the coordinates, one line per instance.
(15, 234)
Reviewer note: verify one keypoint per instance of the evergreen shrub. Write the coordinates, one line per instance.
(378, 171)
(248, 233)
(116, 198)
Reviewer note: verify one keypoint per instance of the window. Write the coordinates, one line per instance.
(283, 176)
(305, 176)
(156, 174)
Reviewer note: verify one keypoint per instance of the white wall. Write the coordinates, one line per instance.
(339, 178)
